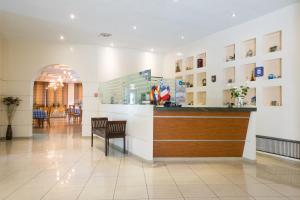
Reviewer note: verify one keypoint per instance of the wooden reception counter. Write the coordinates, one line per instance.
(203, 132)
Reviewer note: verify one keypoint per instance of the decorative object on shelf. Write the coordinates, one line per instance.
(252, 76)
(274, 103)
(180, 93)
(188, 84)
(239, 93)
(230, 80)
(271, 76)
(11, 104)
(214, 78)
(204, 82)
(177, 67)
(200, 63)
(273, 49)
(189, 68)
(249, 53)
(191, 103)
(253, 100)
(230, 58)
(259, 71)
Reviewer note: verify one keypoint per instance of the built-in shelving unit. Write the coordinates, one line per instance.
(249, 48)
(201, 60)
(229, 75)
(272, 69)
(272, 42)
(178, 66)
(227, 97)
(249, 70)
(201, 98)
(189, 63)
(272, 96)
(201, 79)
(250, 99)
(189, 80)
(230, 53)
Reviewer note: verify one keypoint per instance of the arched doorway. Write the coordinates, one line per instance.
(57, 101)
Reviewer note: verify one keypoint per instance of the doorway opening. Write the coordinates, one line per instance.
(57, 101)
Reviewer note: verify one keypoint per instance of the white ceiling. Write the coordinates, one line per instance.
(160, 23)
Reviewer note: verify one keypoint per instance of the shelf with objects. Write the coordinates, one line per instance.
(201, 98)
(249, 72)
(250, 98)
(229, 75)
(272, 42)
(178, 66)
(189, 63)
(189, 81)
(201, 60)
(272, 96)
(201, 79)
(273, 69)
(227, 100)
(189, 100)
(249, 48)
(230, 53)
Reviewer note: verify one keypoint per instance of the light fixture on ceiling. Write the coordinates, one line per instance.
(179, 54)
(151, 49)
(112, 44)
(182, 37)
(72, 16)
(105, 35)
(61, 37)
(134, 27)
(71, 49)
(233, 15)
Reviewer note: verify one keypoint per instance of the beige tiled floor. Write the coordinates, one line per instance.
(62, 165)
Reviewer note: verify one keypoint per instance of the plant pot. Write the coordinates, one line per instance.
(240, 102)
(9, 132)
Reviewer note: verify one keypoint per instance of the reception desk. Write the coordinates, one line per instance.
(158, 132)
(202, 132)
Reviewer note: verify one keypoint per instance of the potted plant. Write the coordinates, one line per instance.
(239, 93)
(11, 104)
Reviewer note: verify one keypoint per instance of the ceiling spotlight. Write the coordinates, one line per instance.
(152, 49)
(72, 16)
(71, 49)
(61, 37)
(112, 44)
(182, 37)
(134, 27)
(179, 54)
(233, 15)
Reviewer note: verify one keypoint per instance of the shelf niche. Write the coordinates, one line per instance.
(229, 75)
(227, 97)
(272, 96)
(272, 42)
(178, 66)
(201, 60)
(249, 70)
(230, 53)
(201, 79)
(189, 99)
(201, 98)
(189, 63)
(189, 81)
(250, 98)
(273, 69)
(249, 48)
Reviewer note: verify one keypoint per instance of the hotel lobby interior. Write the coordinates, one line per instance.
(149, 99)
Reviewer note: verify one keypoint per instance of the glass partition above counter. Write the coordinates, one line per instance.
(132, 89)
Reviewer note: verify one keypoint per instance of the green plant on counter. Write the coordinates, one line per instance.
(239, 91)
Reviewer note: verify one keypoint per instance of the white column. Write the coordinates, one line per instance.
(70, 94)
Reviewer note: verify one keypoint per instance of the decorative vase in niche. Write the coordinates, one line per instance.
(9, 132)
(240, 102)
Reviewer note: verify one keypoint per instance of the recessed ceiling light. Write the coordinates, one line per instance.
(134, 27)
(112, 44)
(182, 37)
(152, 49)
(233, 14)
(72, 16)
(71, 49)
(179, 54)
(61, 37)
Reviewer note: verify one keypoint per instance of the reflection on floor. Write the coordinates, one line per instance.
(62, 165)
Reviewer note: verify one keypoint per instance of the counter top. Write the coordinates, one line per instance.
(206, 109)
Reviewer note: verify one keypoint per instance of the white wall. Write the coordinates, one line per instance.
(23, 60)
(282, 122)
(71, 94)
(1, 74)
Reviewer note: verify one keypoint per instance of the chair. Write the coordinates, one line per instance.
(108, 129)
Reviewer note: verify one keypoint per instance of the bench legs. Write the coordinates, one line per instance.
(124, 145)
(106, 146)
(92, 140)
